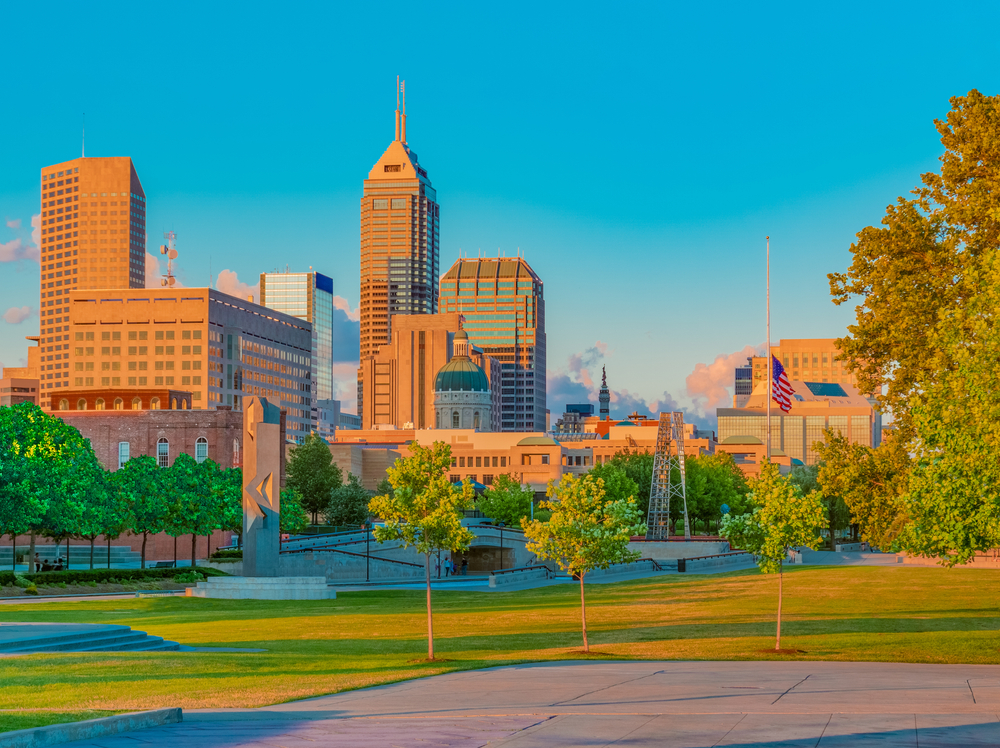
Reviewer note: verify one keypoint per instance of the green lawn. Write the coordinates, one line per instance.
(367, 638)
(25, 719)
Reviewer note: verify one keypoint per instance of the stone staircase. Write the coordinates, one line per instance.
(27, 638)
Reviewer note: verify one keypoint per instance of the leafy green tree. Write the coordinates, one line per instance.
(292, 518)
(953, 497)
(922, 262)
(782, 518)
(424, 512)
(506, 501)
(838, 516)
(587, 530)
(98, 502)
(711, 481)
(139, 484)
(349, 503)
(229, 487)
(37, 451)
(871, 483)
(638, 466)
(384, 488)
(197, 508)
(312, 472)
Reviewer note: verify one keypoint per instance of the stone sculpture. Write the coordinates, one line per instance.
(261, 487)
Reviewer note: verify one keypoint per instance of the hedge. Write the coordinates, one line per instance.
(73, 576)
(231, 554)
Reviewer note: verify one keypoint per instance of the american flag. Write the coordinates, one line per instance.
(781, 390)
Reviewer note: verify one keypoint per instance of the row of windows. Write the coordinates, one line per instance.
(141, 334)
(163, 451)
(461, 461)
(117, 404)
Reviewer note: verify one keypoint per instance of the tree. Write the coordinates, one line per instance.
(292, 518)
(229, 487)
(871, 483)
(921, 263)
(197, 508)
(953, 497)
(425, 511)
(36, 453)
(712, 480)
(349, 503)
(782, 518)
(139, 484)
(587, 530)
(506, 501)
(838, 516)
(638, 466)
(313, 473)
(384, 487)
(99, 506)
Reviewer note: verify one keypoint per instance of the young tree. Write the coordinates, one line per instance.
(349, 503)
(711, 481)
(229, 488)
(384, 487)
(313, 473)
(782, 518)
(140, 484)
(198, 508)
(425, 511)
(98, 506)
(506, 501)
(587, 530)
(292, 518)
(638, 466)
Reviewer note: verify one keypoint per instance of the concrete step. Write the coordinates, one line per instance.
(25, 638)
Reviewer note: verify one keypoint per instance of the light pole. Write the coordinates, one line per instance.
(368, 539)
(500, 525)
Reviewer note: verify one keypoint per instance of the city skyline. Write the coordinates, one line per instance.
(795, 139)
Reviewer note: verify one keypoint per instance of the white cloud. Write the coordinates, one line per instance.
(152, 271)
(228, 282)
(14, 223)
(339, 302)
(710, 385)
(16, 315)
(36, 234)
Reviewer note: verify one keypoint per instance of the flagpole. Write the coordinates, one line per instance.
(770, 373)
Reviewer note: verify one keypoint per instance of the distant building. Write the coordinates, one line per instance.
(462, 391)
(806, 360)
(15, 388)
(308, 296)
(399, 380)
(816, 406)
(743, 383)
(213, 345)
(573, 420)
(605, 396)
(503, 305)
(400, 229)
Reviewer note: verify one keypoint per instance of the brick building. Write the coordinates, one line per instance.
(121, 399)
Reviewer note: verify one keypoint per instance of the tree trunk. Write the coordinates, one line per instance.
(583, 616)
(31, 552)
(144, 536)
(430, 618)
(67, 553)
(109, 550)
(175, 551)
(194, 550)
(13, 554)
(93, 539)
(777, 642)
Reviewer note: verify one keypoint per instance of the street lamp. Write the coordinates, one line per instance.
(368, 538)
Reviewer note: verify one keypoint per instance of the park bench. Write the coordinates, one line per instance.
(163, 565)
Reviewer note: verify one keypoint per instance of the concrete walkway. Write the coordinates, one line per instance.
(662, 704)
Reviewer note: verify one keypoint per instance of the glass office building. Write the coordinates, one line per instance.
(308, 296)
(503, 308)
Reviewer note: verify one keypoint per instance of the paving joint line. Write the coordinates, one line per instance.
(795, 686)
(824, 730)
(613, 685)
(745, 715)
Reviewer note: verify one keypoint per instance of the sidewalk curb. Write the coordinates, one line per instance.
(36, 737)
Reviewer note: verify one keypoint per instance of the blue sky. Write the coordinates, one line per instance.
(637, 154)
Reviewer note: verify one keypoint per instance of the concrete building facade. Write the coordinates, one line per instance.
(215, 346)
(17, 389)
(503, 306)
(806, 360)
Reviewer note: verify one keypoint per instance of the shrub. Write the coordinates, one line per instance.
(111, 576)
(221, 555)
(22, 582)
(191, 576)
(31, 590)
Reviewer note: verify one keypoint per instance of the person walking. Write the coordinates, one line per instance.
(37, 566)
(465, 566)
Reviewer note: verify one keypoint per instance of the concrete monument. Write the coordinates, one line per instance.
(261, 487)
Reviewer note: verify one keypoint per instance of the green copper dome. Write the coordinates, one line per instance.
(461, 375)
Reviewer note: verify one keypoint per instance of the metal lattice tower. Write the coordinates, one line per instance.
(665, 486)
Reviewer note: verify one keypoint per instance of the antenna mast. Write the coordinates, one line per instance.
(170, 250)
(83, 141)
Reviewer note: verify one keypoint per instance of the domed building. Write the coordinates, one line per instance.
(462, 397)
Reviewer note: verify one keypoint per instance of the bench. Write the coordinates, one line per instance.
(163, 565)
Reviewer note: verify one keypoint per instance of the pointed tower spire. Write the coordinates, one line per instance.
(397, 107)
(605, 396)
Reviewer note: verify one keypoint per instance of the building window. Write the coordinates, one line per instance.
(154, 403)
(545, 460)
(461, 462)
(488, 479)
(136, 403)
(119, 404)
(454, 420)
(123, 453)
(475, 420)
(99, 405)
(236, 453)
(81, 404)
(455, 478)
(479, 462)
(64, 405)
(201, 449)
(503, 462)
(163, 452)
(495, 464)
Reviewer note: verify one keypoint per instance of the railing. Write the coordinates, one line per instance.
(358, 555)
(718, 555)
(497, 572)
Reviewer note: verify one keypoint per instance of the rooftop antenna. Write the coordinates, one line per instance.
(170, 250)
(402, 90)
(397, 107)
(83, 141)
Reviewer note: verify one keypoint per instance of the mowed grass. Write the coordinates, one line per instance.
(362, 639)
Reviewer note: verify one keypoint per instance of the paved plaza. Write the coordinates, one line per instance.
(668, 704)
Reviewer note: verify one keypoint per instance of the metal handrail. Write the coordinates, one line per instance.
(359, 555)
(522, 568)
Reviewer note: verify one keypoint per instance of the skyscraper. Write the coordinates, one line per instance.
(399, 242)
(93, 235)
(308, 296)
(503, 306)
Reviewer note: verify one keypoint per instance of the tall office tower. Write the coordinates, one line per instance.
(308, 296)
(808, 360)
(399, 242)
(93, 236)
(504, 309)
